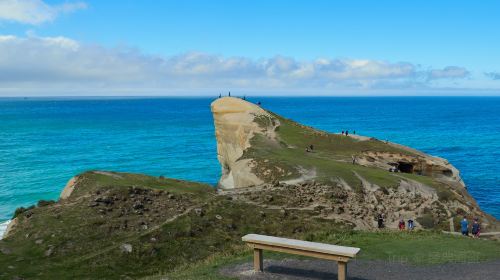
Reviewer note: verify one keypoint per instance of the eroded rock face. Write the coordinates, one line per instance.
(235, 125)
(271, 161)
(419, 163)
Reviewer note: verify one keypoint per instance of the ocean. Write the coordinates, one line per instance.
(46, 141)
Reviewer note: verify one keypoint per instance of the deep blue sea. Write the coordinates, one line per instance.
(44, 142)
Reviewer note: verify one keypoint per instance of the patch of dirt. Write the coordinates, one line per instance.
(289, 269)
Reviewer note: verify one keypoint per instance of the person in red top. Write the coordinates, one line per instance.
(401, 224)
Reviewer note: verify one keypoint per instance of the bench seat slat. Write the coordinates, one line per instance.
(301, 245)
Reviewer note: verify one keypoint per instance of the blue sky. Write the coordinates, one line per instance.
(268, 47)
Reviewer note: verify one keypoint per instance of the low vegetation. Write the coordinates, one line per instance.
(416, 248)
(118, 225)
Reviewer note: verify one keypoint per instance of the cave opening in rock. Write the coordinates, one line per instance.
(447, 173)
(405, 167)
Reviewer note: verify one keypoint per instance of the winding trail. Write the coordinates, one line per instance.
(132, 238)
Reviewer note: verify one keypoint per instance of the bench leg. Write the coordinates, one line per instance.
(342, 273)
(258, 265)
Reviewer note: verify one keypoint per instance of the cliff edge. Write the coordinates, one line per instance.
(349, 178)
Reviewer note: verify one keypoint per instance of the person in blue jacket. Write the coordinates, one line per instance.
(464, 224)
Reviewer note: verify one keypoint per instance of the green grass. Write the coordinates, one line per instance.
(331, 158)
(86, 240)
(416, 248)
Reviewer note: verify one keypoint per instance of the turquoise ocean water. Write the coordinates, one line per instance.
(44, 142)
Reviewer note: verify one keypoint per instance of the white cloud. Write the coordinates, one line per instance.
(493, 75)
(450, 72)
(35, 11)
(58, 64)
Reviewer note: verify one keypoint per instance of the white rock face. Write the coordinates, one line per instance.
(68, 189)
(234, 127)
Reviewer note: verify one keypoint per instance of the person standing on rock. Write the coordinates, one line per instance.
(380, 220)
(464, 224)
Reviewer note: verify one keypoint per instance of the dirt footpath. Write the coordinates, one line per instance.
(360, 269)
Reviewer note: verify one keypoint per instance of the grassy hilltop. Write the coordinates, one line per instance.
(118, 225)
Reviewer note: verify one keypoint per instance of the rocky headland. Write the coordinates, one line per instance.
(268, 159)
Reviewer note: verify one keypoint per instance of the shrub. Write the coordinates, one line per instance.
(444, 195)
(427, 221)
(21, 210)
(42, 203)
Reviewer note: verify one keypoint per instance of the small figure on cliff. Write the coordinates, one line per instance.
(476, 228)
(464, 226)
(401, 224)
(342, 132)
(354, 132)
(244, 97)
(347, 133)
(380, 220)
(229, 94)
(258, 103)
(411, 226)
(220, 95)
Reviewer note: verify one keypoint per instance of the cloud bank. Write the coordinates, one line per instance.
(493, 75)
(35, 11)
(51, 65)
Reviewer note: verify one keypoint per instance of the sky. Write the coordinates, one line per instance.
(149, 48)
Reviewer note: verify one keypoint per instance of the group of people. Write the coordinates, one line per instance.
(346, 132)
(244, 97)
(401, 225)
(475, 228)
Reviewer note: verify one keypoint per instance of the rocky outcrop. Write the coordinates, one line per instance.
(271, 161)
(417, 163)
(235, 124)
(69, 188)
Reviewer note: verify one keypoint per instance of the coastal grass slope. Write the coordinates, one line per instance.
(119, 225)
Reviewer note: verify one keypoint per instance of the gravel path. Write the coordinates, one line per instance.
(360, 270)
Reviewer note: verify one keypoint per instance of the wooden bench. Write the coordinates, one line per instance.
(340, 254)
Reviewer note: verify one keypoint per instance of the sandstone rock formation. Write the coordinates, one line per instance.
(269, 160)
(235, 126)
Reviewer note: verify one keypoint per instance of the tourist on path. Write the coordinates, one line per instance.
(464, 224)
(380, 220)
(476, 228)
(401, 224)
(411, 226)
